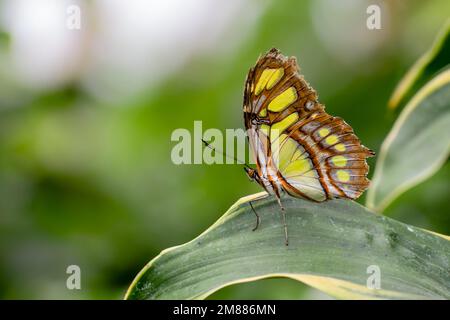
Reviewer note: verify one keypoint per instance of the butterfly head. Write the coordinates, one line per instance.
(251, 173)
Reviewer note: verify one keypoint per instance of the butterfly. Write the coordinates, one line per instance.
(298, 148)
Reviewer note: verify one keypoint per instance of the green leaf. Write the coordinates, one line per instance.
(417, 146)
(435, 59)
(331, 246)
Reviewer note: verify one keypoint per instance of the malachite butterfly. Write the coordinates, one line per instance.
(298, 148)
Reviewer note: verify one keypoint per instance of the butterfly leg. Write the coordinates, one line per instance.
(286, 238)
(257, 217)
(283, 217)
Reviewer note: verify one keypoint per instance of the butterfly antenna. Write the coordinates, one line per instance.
(208, 145)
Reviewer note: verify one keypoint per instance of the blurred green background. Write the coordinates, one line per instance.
(86, 117)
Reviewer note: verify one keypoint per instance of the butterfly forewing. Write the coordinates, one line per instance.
(298, 147)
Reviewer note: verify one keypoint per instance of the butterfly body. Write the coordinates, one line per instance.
(298, 148)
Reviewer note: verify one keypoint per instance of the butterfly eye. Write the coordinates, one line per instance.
(255, 120)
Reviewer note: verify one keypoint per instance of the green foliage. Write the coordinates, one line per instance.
(332, 245)
(419, 142)
(434, 60)
(417, 146)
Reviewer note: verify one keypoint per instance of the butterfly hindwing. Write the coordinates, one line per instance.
(337, 153)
